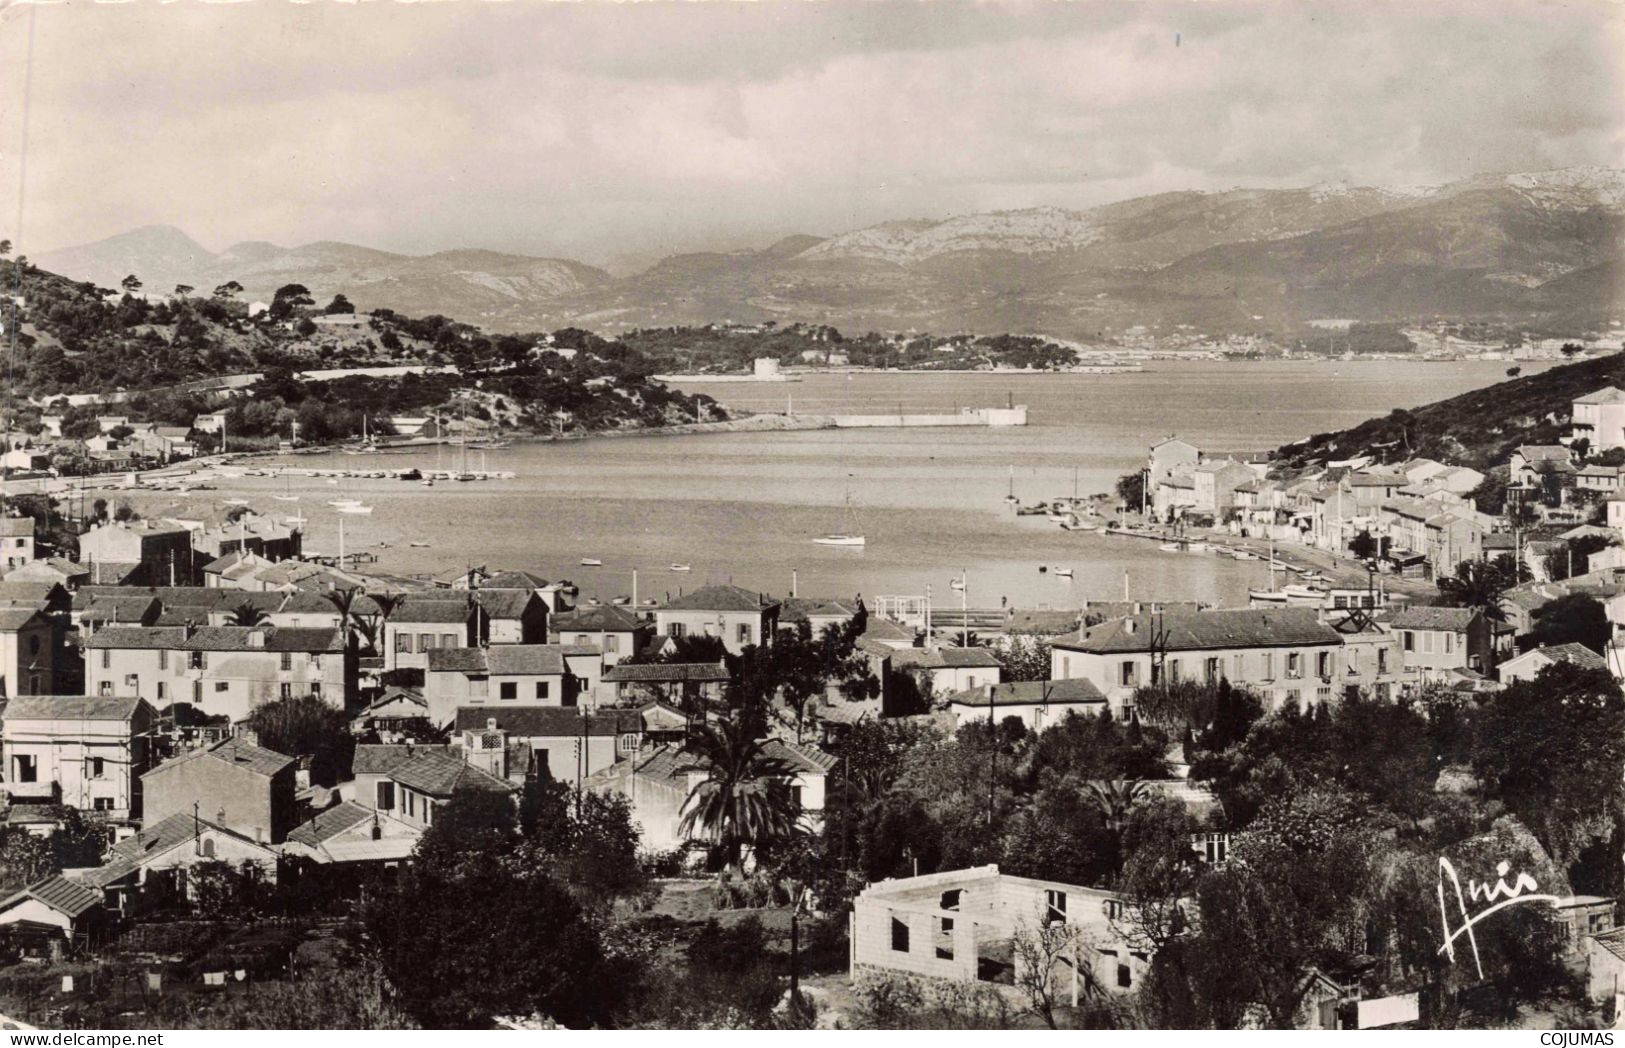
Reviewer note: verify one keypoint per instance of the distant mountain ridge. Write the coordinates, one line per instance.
(1541, 248)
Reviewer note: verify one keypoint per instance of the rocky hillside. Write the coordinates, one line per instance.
(476, 287)
(1539, 251)
(1477, 429)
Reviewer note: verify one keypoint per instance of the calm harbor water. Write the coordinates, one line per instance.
(745, 507)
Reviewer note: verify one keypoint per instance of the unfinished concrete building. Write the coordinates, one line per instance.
(961, 925)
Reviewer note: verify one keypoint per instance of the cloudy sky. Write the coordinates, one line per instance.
(615, 133)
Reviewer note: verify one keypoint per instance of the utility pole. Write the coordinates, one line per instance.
(964, 608)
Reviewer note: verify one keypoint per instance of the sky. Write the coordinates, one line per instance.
(615, 133)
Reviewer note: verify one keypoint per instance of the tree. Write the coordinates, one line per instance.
(288, 298)
(446, 934)
(1363, 546)
(1024, 658)
(131, 284)
(5, 248)
(587, 841)
(1577, 618)
(248, 614)
(182, 290)
(1159, 876)
(744, 798)
(228, 290)
(1480, 584)
(306, 726)
(1575, 553)
(1550, 749)
(387, 604)
(1046, 953)
(340, 304)
(344, 601)
(1514, 371)
(1115, 800)
(1571, 349)
(1131, 489)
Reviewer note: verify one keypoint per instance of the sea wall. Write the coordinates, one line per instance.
(1011, 416)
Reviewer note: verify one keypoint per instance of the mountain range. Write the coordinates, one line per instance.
(1538, 250)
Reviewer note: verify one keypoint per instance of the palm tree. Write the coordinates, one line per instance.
(388, 604)
(344, 601)
(1114, 800)
(745, 795)
(368, 627)
(1479, 584)
(246, 614)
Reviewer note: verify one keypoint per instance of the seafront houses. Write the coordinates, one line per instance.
(957, 925)
(1174, 495)
(511, 616)
(509, 675)
(558, 596)
(1595, 477)
(224, 671)
(1168, 457)
(683, 683)
(420, 625)
(86, 751)
(27, 652)
(1528, 665)
(1038, 704)
(16, 542)
(738, 617)
(236, 784)
(1599, 419)
(656, 781)
(616, 632)
(1334, 517)
(566, 745)
(140, 553)
(944, 670)
(1530, 464)
(1281, 654)
(426, 782)
(1373, 487)
(1436, 641)
(152, 867)
(1215, 486)
(819, 614)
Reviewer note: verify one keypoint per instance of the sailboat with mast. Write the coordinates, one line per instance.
(1011, 497)
(847, 535)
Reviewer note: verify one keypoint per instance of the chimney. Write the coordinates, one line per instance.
(256, 638)
(490, 724)
(1130, 626)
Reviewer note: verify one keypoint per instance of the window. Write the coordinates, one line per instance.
(102, 804)
(96, 768)
(1113, 908)
(221, 685)
(285, 661)
(1294, 664)
(1323, 664)
(479, 687)
(411, 802)
(208, 847)
(197, 693)
(1239, 666)
(403, 643)
(1173, 671)
(132, 680)
(742, 634)
(1382, 660)
(795, 798)
(1125, 975)
(24, 767)
(1211, 670)
(1066, 667)
(542, 689)
(629, 744)
(195, 660)
(1351, 659)
(107, 658)
(1269, 665)
(105, 688)
(1126, 673)
(945, 938)
(899, 936)
(386, 796)
(1427, 643)
(1410, 640)
(1449, 643)
(950, 899)
(163, 658)
(428, 812)
(448, 640)
(582, 638)
(1215, 848)
(1054, 906)
(284, 691)
(315, 689)
(675, 629)
(509, 689)
(970, 682)
(612, 644)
